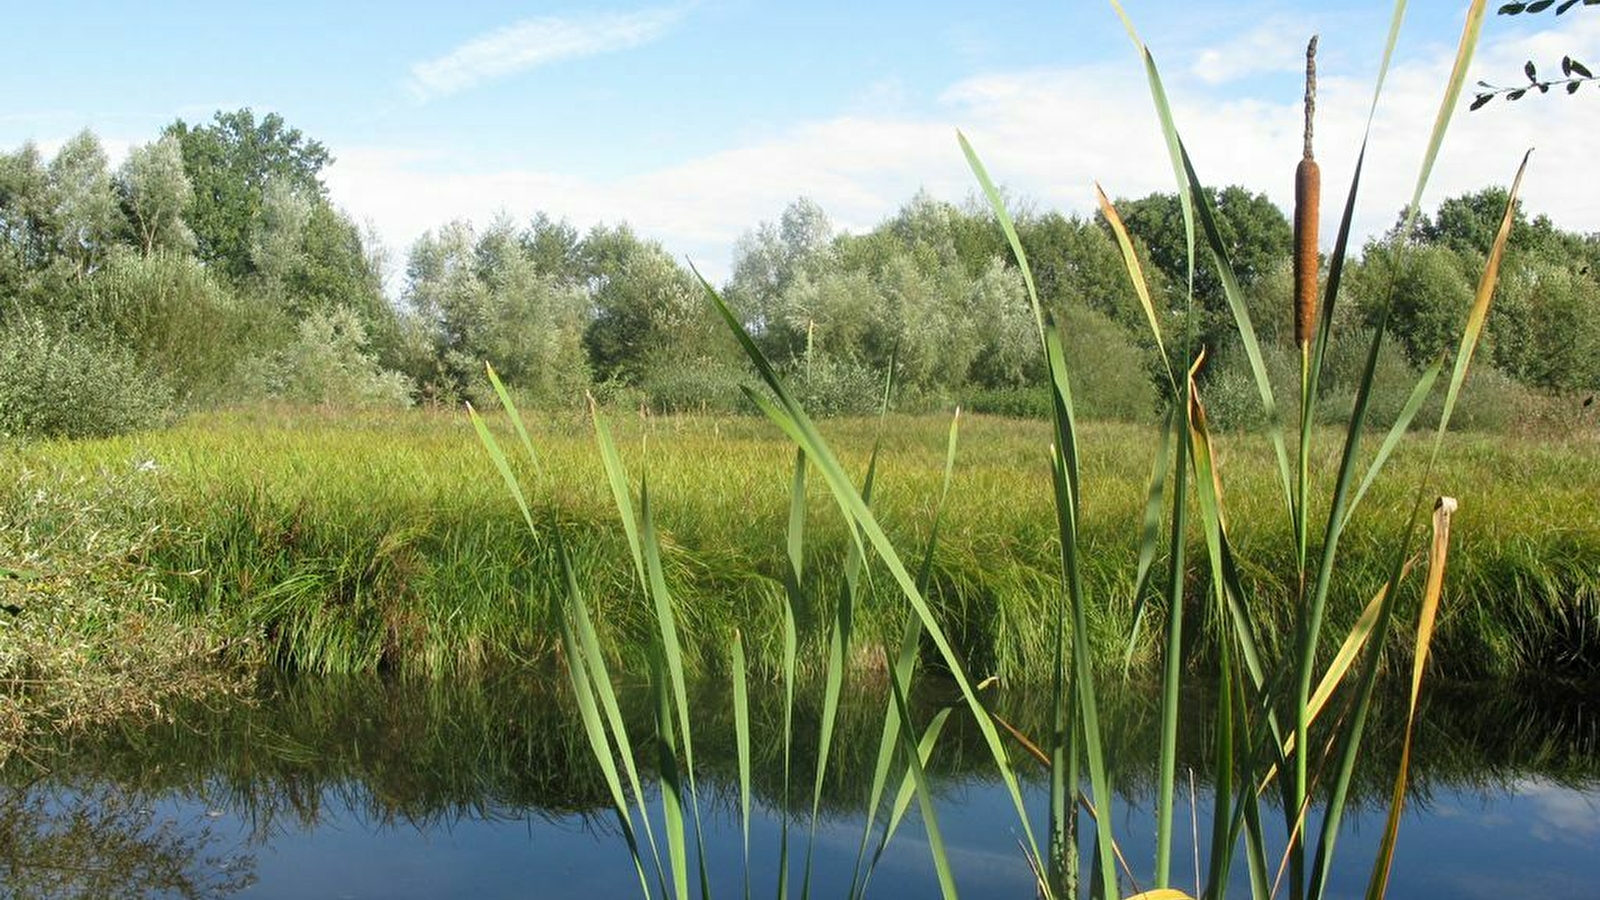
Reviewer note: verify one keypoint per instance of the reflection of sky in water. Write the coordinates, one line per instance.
(1533, 838)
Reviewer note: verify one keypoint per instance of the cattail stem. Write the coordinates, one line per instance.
(1307, 201)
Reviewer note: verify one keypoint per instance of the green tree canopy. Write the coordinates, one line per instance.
(230, 163)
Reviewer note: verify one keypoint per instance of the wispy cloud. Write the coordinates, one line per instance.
(1276, 45)
(1042, 133)
(536, 42)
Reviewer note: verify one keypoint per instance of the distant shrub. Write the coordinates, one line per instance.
(827, 386)
(1393, 379)
(1228, 387)
(57, 384)
(1029, 402)
(327, 364)
(176, 318)
(696, 384)
(1490, 400)
(1111, 374)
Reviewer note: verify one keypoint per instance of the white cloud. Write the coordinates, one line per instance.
(1276, 45)
(1047, 134)
(537, 42)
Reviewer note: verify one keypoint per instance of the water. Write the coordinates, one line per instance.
(367, 789)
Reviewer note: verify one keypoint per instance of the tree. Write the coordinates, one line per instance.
(1431, 295)
(277, 236)
(82, 205)
(769, 261)
(25, 239)
(1255, 234)
(484, 298)
(642, 304)
(155, 192)
(230, 164)
(1546, 328)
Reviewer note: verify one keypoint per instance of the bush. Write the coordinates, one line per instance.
(57, 384)
(1111, 374)
(1228, 387)
(326, 365)
(1030, 402)
(177, 320)
(693, 385)
(827, 386)
(1490, 400)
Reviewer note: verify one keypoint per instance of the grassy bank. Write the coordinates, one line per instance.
(352, 542)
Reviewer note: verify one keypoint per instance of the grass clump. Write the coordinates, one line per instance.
(86, 635)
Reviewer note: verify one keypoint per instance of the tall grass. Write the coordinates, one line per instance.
(275, 526)
(1286, 721)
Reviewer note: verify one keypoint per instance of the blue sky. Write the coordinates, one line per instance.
(697, 120)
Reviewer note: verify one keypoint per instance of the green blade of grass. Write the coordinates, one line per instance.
(1482, 297)
(741, 740)
(1397, 432)
(788, 415)
(671, 649)
(1172, 668)
(1007, 227)
(930, 817)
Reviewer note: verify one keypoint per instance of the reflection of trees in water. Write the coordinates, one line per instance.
(397, 754)
(99, 841)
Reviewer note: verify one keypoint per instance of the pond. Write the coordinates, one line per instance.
(483, 788)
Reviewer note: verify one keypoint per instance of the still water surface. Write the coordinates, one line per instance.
(367, 789)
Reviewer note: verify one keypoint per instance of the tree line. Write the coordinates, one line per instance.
(210, 267)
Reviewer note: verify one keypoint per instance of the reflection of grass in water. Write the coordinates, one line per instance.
(430, 753)
(60, 841)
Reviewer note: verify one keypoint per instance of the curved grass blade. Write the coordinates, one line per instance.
(1008, 227)
(1150, 532)
(1169, 133)
(791, 418)
(930, 817)
(907, 790)
(1479, 315)
(741, 740)
(1130, 261)
(1438, 556)
(1408, 414)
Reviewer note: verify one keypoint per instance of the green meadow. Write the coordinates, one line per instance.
(340, 542)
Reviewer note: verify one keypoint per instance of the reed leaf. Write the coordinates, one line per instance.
(741, 740)
(1438, 556)
(791, 418)
(1130, 262)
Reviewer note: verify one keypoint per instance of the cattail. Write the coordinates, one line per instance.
(1307, 200)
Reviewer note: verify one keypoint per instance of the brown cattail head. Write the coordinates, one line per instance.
(1307, 203)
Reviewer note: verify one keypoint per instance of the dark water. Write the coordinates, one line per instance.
(363, 788)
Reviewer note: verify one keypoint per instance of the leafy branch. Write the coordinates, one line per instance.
(1573, 73)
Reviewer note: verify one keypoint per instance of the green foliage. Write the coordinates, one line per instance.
(1255, 234)
(642, 303)
(58, 384)
(1427, 290)
(170, 313)
(328, 365)
(230, 163)
(484, 298)
(83, 211)
(1546, 328)
(155, 194)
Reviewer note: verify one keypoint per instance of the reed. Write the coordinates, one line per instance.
(1287, 720)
